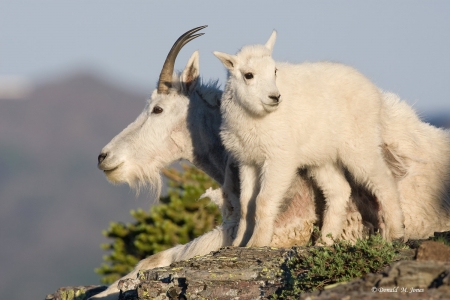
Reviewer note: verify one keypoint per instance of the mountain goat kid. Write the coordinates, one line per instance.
(279, 117)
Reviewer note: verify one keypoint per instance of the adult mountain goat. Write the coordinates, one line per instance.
(182, 120)
(279, 117)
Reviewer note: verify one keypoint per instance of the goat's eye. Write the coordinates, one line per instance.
(276, 72)
(248, 75)
(157, 110)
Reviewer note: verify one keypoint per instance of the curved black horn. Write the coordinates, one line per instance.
(165, 78)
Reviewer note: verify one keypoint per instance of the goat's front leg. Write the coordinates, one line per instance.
(231, 208)
(219, 237)
(248, 175)
(276, 178)
(160, 259)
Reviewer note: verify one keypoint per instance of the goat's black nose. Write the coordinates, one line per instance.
(275, 98)
(102, 157)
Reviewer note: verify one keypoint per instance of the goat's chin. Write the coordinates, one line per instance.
(258, 110)
(115, 176)
(138, 179)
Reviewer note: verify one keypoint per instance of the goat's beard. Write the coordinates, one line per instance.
(139, 179)
(149, 180)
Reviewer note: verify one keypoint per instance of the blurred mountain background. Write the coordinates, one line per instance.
(55, 202)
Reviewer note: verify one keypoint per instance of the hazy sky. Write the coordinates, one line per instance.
(403, 46)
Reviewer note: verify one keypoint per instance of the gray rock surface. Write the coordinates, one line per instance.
(256, 273)
(404, 279)
(231, 273)
(76, 292)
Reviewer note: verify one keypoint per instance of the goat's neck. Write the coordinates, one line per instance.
(204, 124)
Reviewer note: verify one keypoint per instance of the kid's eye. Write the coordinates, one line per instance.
(248, 75)
(276, 71)
(157, 110)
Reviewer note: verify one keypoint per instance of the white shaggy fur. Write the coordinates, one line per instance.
(328, 118)
(422, 151)
(193, 126)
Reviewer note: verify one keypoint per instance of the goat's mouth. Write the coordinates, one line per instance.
(108, 170)
(269, 107)
(115, 174)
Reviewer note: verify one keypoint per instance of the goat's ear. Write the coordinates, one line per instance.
(191, 73)
(229, 61)
(154, 94)
(271, 42)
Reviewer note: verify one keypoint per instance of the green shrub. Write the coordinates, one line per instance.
(177, 219)
(316, 267)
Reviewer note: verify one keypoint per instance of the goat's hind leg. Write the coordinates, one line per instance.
(371, 170)
(331, 180)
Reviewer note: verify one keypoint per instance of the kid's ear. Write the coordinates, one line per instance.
(191, 73)
(271, 42)
(229, 61)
